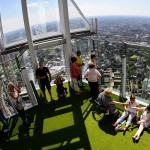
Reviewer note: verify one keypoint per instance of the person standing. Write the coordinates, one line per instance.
(92, 60)
(74, 72)
(13, 91)
(44, 76)
(93, 75)
(80, 65)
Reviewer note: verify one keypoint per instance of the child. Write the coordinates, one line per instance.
(61, 91)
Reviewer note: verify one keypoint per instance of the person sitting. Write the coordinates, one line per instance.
(144, 121)
(61, 91)
(129, 113)
(105, 100)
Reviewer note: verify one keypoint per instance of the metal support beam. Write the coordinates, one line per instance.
(98, 43)
(49, 43)
(28, 33)
(123, 78)
(82, 15)
(64, 21)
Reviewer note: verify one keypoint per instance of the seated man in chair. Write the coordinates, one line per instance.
(105, 100)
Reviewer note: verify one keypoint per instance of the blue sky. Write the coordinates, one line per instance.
(115, 7)
(11, 12)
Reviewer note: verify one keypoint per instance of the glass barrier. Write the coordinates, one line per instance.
(44, 18)
(11, 72)
(75, 19)
(138, 72)
(53, 58)
(137, 68)
(12, 22)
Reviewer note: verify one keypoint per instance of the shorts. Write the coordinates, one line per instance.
(47, 85)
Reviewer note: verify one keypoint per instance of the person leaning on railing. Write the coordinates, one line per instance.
(14, 93)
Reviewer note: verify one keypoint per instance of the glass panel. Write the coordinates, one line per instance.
(11, 72)
(138, 68)
(53, 58)
(5, 103)
(12, 22)
(110, 64)
(138, 77)
(43, 18)
(75, 19)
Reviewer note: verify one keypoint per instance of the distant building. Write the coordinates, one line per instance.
(146, 87)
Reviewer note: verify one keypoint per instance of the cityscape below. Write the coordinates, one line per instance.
(124, 29)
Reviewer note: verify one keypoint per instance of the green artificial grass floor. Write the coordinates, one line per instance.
(68, 125)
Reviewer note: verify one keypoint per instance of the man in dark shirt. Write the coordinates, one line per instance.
(105, 100)
(44, 77)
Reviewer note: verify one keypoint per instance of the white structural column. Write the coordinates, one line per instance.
(98, 42)
(28, 33)
(123, 89)
(65, 29)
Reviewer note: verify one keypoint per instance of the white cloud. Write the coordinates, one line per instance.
(37, 4)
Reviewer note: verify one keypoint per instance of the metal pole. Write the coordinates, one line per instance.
(28, 33)
(123, 89)
(64, 20)
(98, 47)
(82, 15)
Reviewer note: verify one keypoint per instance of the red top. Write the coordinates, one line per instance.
(74, 70)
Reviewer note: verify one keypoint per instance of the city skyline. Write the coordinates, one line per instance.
(47, 10)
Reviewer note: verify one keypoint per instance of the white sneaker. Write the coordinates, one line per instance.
(6, 130)
(118, 127)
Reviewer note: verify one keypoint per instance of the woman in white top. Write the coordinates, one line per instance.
(144, 121)
(129, 113)
(93, 60)
(92, 75)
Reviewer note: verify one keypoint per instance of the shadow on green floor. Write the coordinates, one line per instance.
(56, 125)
